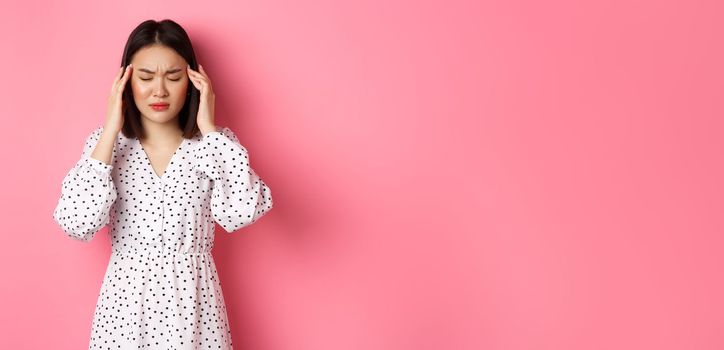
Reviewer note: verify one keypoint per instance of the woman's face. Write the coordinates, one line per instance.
(159, 76)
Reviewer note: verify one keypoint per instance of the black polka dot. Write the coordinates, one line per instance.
(161, 288)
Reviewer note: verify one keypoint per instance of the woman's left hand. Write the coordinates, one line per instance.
(205, 116)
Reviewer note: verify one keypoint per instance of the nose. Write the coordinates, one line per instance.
(159, 89)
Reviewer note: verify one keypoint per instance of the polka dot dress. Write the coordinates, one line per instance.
(161, 289)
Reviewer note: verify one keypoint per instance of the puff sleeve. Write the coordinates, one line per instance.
(87, 194)
(239, 196)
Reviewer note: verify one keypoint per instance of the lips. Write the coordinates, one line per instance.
(159, 106)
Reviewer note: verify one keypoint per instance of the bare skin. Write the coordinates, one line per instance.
(157, 74)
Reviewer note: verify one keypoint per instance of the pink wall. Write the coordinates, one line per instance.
(450, 175)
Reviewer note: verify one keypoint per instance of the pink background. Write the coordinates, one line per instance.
(446, 175)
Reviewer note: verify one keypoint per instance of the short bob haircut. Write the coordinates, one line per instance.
(170, 34)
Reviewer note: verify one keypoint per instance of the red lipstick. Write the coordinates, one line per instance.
(159, 106)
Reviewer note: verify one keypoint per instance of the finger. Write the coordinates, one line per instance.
(198, 78)
(201, 84)
(117, 81)
(203, 71)
(122, 83)
(193, 73)
(116, 78)
(120, 73)
(198, 73)
(127, 75)
(195, 81)
(206, 76)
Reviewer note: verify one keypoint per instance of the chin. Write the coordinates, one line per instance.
(160, 117)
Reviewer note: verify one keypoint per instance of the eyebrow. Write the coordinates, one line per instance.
(170, 71)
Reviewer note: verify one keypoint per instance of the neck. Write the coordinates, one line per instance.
(161, 133)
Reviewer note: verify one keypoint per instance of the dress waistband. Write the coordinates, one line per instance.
(159, 253)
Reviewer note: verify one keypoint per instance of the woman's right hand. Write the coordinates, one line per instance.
(114, 117)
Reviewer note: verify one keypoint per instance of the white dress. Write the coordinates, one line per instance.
(161, 288)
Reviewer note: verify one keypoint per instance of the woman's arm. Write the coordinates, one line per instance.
(103, 150)
(87, 193)
(239, 196)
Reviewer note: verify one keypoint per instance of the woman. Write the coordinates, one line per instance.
(161, 173)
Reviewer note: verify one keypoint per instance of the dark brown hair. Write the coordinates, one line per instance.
(170, 34)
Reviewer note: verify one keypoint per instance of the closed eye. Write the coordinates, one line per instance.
(152, 78)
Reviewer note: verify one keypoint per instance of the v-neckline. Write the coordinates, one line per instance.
(170, 161)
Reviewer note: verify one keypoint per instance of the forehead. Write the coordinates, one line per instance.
(157, 58)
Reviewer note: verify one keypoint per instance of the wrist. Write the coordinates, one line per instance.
(110, 132)
(207, 129)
